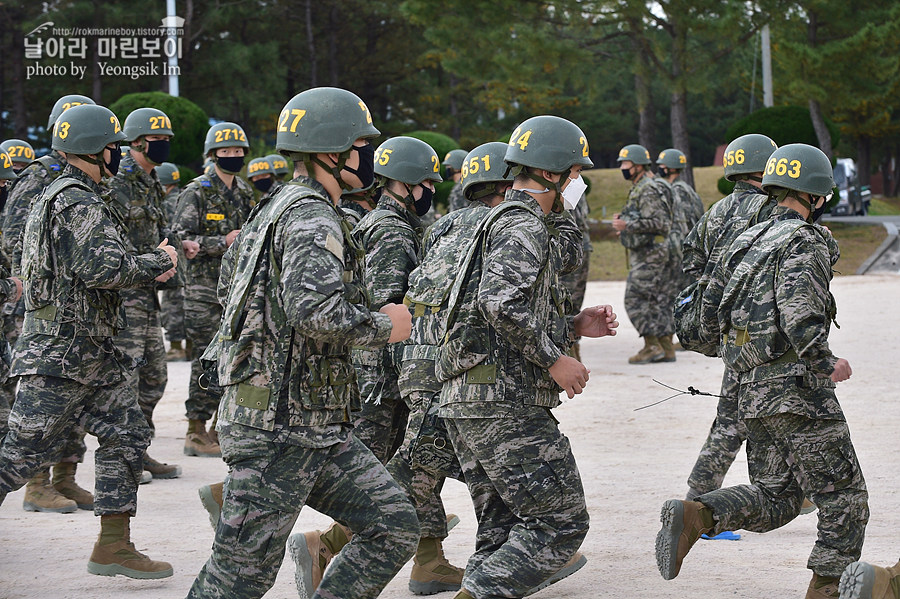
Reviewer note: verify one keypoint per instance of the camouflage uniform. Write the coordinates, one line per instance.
(687, 208)
(293, 310)
(352, 211)
(703, 247)
(648, 217)
(207, 211)
(456, 200)
(172, 314)
(576, 281)
(775, 313)
(71, 370)
(390, 235)
(137, 202)
(518, 466)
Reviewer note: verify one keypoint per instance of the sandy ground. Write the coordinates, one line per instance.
(630, 462)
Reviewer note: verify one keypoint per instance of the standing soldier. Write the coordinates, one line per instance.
(10, 292)
(643, 228)
(210, 212)
(770, 303)
(70, 370)
(687, 208)
(262, 174)
(20, 152)
(452, 164)
(172, 315)
(280, 166)
(296, 303)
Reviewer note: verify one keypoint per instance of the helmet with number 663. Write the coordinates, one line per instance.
(86, 129)
(549, 143)
(747, 154)
(482, 167)
(799, 167)
(323, 119)
(225, 135)
(408, 160)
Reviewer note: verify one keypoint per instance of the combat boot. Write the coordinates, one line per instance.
(198, 443)
(114, 553)
(452, 521)
(176, 353)
(861, 580)
(665, 342)
(312, 552)
(40, 496)
(807, 507)
(822, 587)
(431, 572)
(682, 524)
(463, 594)
(159, 469)
(64, 482)
(649, 353)
(574, 564)
(211, 498)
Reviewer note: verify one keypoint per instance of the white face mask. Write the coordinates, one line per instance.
(573, 192)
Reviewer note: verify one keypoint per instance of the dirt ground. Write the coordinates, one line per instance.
(630, 462)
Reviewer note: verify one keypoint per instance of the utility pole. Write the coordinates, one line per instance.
(768, 100)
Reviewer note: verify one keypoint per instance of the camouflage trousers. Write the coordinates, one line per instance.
(648, 294)
(791, 457)
(267, 485)
(142, 340)
(201, 323)
(381, 423)
(172, 315)
(528, 499)
(723, 443)
(48, 408)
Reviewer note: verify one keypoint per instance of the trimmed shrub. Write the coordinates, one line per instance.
(784, 124)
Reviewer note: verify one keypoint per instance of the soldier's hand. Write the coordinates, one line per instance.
(173, 255)
(596, 321)
(618, 224)
(18, 283)
(401, 321)
(190, 248)
(842, 371)
(166, 275)
(570, 374)
(229, 239)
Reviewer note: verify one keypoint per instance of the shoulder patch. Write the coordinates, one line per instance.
(206, 183)
(333, 245)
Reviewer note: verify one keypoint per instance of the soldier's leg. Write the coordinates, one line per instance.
(640, 296)
(201, 320)
(374, 423)
(154, 374)
(723, 443)
(172, 314)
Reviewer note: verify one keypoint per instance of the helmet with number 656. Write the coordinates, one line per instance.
(746, 155)
(86, 129)
(799, 167)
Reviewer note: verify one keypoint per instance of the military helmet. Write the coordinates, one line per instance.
(408, 160)
(635, 153)
(18, 150)
(484, 164)
(6, 166)
(168, 173)
(146, 121)
(323, 119)
(65, 103)
(225, 135)
(801, 168)
(672, 158)
(747, 154)
(279, 164)
(549, 143)
(86, 129)
(454, 159)
(260, 166)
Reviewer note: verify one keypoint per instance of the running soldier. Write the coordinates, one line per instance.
(864, 581)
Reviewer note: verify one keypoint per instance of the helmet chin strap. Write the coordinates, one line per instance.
(408, 201)
(558, 205)
(309, 159)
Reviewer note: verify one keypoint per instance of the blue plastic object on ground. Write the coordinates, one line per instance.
(723, 536)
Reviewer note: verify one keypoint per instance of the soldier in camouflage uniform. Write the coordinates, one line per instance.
(687, 208)
(10, 292)
(137, 201)
(576, 281)
(20, 152)
(172, 314)
(643, 228)
(211, 210)
(62, 494)
(503, 364)
(280, 166)
(262, 174)
(69, 367)
(769, 301)
(745, 159)
(453, 163)
(295, 305)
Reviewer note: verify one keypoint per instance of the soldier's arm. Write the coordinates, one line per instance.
(227, 270)
(390, 257)
(653, 216)
(696, 254)
(188, 223)
(312, 285)
(570, 240)
(515, 253)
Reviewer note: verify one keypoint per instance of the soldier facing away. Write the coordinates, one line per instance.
(172, 311)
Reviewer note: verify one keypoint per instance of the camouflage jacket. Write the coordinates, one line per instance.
(74, 260)
(207, 211)
(528, 327)
(687, 208)
(770, 297)
(353, 212)
(29, 186)
(647, 214)
(456, 200)
(295, 305)
(170, 204)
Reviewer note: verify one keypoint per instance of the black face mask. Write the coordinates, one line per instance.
(263, 185)
(230, 164)
(18, 170)
(818, 212)
(158, 151)
(366, 169)
(4, 191)
(423, 205)
(113, 165)
(626, 172)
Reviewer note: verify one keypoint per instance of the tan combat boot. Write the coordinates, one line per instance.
(463, 594)
(822, 587)
(312, 552)
(198, 443)
(64, 482)
(649, 353)
(211, 498)
(665, 342)
(159, 469)
(40, 496)
(176, 353)
(114, 553)
(807, 507)
(575, 563)
(431, 572)
(452, 521)
(682, 524)
(861, 580)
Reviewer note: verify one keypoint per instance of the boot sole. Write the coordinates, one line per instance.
(452, 522)
(33, 507)
(119, 570)
(559, 575)
(210, 505)
(857, 581)
(417, 587)
(164, 475)
(672, 519)
(197, 454)
(303, 565)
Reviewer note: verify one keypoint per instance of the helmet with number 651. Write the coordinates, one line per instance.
(408, 160)
(746, 155)
(86, 129)
(483, 168)
(799, 167)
